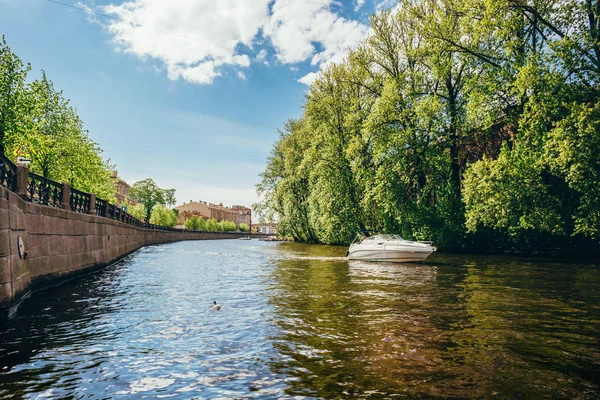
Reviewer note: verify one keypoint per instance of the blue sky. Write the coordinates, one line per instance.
(187, 92)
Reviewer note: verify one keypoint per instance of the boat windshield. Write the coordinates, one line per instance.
(386, 237)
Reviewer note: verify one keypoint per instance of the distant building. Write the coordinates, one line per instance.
(122, 195)
(122, 192)
(244, 215)
(202, 209)
(268, 229)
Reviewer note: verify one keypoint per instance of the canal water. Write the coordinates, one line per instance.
(300, 321)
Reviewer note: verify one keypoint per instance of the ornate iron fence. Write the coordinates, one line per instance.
(101, 207)
(8, 173)
(79, 201)
(111, 211)
(44, 191)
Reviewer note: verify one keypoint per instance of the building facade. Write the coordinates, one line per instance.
(122, 194)
(218, 212)
(268, 229)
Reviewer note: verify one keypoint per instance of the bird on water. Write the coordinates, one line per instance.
(216, 306)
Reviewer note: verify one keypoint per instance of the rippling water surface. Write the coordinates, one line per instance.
(300, 321)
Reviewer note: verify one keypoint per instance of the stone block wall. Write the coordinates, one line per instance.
(60, 244)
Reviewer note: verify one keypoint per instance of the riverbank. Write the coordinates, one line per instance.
(41, 245)
(588, 253)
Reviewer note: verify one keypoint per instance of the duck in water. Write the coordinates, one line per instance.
(216, 306)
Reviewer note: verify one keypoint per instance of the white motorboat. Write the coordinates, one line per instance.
(388, 247)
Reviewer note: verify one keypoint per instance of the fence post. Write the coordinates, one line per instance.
(22, 181)
(66, 200)
(92, 209)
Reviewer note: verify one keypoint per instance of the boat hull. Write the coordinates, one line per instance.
(390, 248)
(390, 255)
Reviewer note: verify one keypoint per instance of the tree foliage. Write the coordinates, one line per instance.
(452, 122)
(149, 194)
(212, 225)
(228, 226)
(163, 216)
(170, 197)
(13, 74)
(244, 227)
(195, 224)
(39, 117)
(138, 211)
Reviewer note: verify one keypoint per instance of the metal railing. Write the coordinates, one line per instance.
(44, 191)
(37, 189)
(8, 173)
(79, 201)
(100, 207)
(111, 211)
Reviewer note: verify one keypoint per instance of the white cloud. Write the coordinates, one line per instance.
(88, 11)
(241, 75)
(202, 73)
(261, 56)
(197, 39)
(193, 38)
(359, 4)
(296, 26)
(385, 4)
(308, 79)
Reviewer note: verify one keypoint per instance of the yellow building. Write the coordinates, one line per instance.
(202, 209)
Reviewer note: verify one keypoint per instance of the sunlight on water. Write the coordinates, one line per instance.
(300, 320)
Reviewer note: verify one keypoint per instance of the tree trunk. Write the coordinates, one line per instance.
(453, 134)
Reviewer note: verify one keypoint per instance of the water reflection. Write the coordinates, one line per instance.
(41, 333)
(300, 320)
(488, 327)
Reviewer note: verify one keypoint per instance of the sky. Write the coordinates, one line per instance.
(190, 93)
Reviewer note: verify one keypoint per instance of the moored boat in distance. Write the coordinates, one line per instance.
(271, 239)
(388, 247)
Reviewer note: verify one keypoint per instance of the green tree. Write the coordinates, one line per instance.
(572, 152)
(227, 226)
(39, 117)
(148, 193)
(162, 216)
(201, 224)
(138, 211)
(434, 125)
(170, 197)
(13, 74)
(509, 195)
(243, 227)
(195, 224)
(212, 225)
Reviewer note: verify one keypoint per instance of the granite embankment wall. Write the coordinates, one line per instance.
(58, 244)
